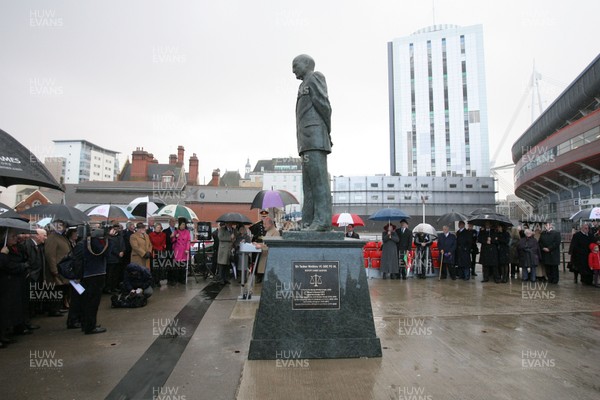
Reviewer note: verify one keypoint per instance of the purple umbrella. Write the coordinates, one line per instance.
(273, 199)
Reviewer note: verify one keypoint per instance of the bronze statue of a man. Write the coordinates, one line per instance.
(313, 128)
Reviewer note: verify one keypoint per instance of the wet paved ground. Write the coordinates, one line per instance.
(441, 340)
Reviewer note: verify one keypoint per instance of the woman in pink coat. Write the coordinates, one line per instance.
(181, 242)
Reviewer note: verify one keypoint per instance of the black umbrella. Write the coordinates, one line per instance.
(451, 217)
(18, 166)
(493, 218)
(4, 208)
(482, 210)
(234, 217)
(63, 212)
(8, 212)
(15, 223)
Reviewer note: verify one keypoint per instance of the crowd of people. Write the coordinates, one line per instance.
(131, 261)
(228, 237)
(105, 259)
(504, 252)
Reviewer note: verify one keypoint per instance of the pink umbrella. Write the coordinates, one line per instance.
(345, 219)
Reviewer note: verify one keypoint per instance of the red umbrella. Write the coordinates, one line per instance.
(345, 219)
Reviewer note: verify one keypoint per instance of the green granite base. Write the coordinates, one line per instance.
(315, 303)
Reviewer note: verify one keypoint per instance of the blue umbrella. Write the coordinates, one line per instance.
(389, 214)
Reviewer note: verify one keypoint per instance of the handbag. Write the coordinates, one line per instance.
(570, 266)
(70, 267)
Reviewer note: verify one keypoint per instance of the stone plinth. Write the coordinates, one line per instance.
(315, 301)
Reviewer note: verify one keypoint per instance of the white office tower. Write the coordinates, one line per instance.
(438, 105)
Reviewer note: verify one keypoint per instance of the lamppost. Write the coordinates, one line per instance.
(423, 198)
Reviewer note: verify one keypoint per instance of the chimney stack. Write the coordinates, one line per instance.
(193, 172)
(139, 164)
(180, 151)
(172, 159)
(216, 176)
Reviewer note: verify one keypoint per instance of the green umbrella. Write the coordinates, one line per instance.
(177, 211)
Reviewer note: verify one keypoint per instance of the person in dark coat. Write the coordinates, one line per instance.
(422, 260)
(579, 251)
(502, 240)
(93, 252)
(129, 230)
(350, 232)
(34, 246)
(389, 252)
(13, 269)
(137, 277)
(550, 250)
(488, 256)
(114, 259)
(474, 249)
(447, 248)
(404, 245)
(464, 242)
(529, 256)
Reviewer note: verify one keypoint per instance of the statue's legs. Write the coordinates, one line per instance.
(316, 211)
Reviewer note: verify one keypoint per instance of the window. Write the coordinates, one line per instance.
(374, 197)
(469, 186)
(407, 197)
(424, 185)
(485, 186)
(374, 185)
(390, 185)
(391, 197)
(474, 117)
(407, 185)
(453, 186)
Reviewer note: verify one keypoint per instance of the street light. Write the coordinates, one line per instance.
(423, 198)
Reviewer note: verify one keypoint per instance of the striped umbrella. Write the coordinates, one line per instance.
(345, 219)
(177, 211)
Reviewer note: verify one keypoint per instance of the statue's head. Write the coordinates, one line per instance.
(302, 64)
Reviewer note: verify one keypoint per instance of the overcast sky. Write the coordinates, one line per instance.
(215, 76)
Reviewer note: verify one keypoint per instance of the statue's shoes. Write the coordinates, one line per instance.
(319, 227)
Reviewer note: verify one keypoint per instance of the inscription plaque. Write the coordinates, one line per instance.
(317, 285)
